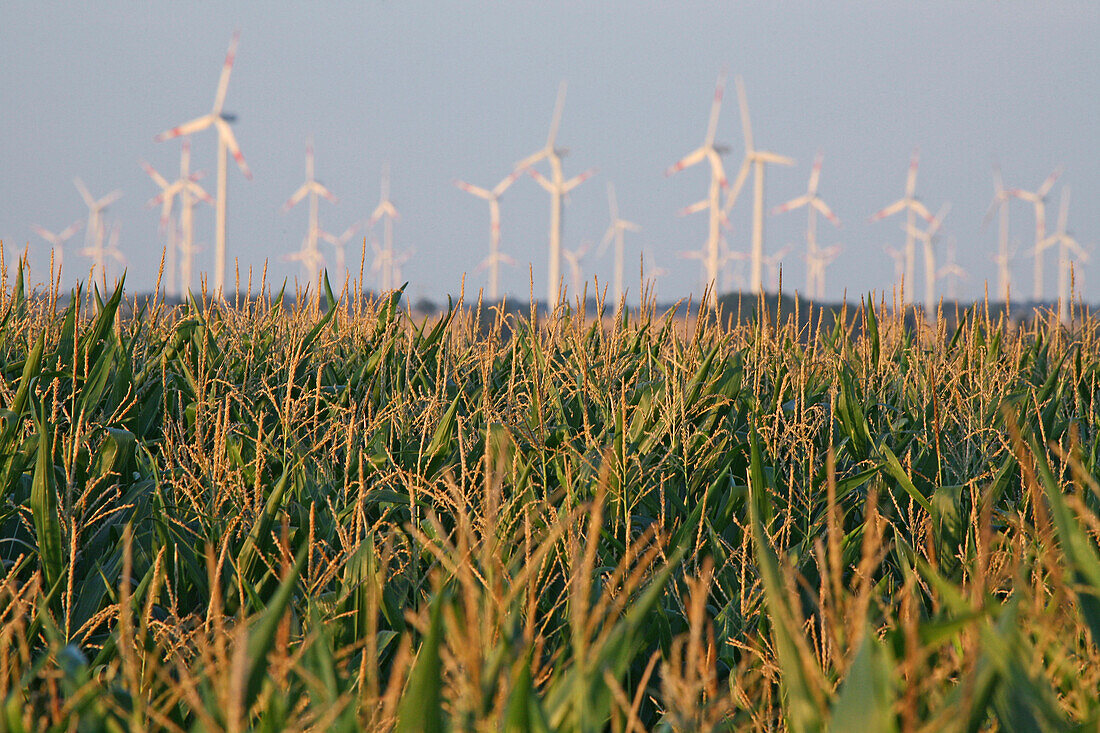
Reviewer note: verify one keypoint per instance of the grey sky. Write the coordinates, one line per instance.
(444, 90)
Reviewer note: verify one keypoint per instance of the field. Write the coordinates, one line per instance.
(331, 516)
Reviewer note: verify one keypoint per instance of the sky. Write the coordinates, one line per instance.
(444, 90)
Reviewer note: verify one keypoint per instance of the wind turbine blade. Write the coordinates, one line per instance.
(505, 183)
(152, 173)
(694, 208)
(555, 121)
(225, 132)
(70, 230)
(45, 234)
(911, 176)
(187, 128)
(200, 193)
(608, 237)
(542, 180)
(742, 176)
(612, 202)
(296, 198)
(937, 222)
(472, 189)
(794, 203)
(774, 158)
(746, 123)
(578, 180)
(715, 109)
(815, 173)
(716, 168)
(826, 211)
(323, 192)
(530, 160)
(84, 192)
(687, 161)
(921, 210)
(227, 69)
(629, 225)
(109, 199)
(889, 210)
(1044, 189)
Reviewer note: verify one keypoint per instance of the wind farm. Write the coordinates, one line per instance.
(493, 441)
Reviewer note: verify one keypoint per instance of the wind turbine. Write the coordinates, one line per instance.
(574, 257)
(339, 246)
(1067, 245)
(928, 239)
(385, 260)
(58, 240)
(952, 270)
(99, 254)
(616, 231)
(898, 256)
(756, 159)
(313, 189)
(311, 260)
(773, 263)
(557, 186)
(815, 270)
(492, 262)
(184, 187)
(94, 231)
(913, 207)
(1002, 258)
(1038, 199)
(227, 143)
(387, 264)
(712, 153)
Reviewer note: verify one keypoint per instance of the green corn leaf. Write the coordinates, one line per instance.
(865, 701)
(421, 707)
(261, 638)
(44, 506)
(893, 468)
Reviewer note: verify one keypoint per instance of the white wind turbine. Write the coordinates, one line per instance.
(1003, 258)
(314, 189)
(951, 271)
(756, 159)
(339, 246)
(1038, 199)
(898, 256)
(774, 262)
(495, 258)
(815, 270)
(913, 207)
(557, 187)
(227, 143)
(311, 260)
(184, 187)
(616, 232)
(712, 153)
(928, 238)
(385, 260)
(573, 258)
(58, 240)
(99, 253)
(1067, 246)
(94, 231)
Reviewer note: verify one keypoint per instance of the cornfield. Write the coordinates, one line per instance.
(331, 516)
